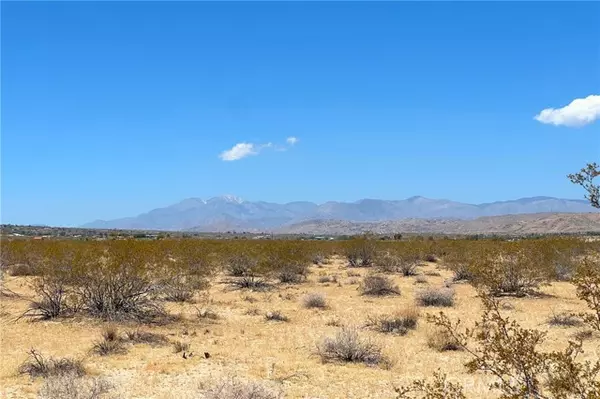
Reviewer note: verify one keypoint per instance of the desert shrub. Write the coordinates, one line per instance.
(435, 297)
(236, 389)
(349, 346)
(110, 343)
(404, 262)
(399, 322)
(138, 336)
(318, 258)
(442, 341)
(511, 355)
(250, 282)
(37, 365)
(352, 273)
(564, 320)
(463, 273)
(360, 252)
(314, 300)
(587, 282)
(293, 273)
(513, 269)
(180, 346)
(379, 286)
(181, 287)
(50, 300)
(438, 388)
(421, 280)
(73, 387)
(327, 279)
(116, 283)
(239, 265)
(276, 315)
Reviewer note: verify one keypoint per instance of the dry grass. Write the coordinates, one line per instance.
(70, 386)
(564, 319)
(180, 346)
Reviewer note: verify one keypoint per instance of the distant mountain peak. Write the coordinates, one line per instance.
(232, 199)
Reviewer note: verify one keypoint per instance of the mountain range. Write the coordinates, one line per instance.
(230, 213)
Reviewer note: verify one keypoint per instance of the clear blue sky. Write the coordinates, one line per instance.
(111, 109)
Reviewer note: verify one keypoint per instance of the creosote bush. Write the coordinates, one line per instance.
(378, 286)
(360, 252)
(349, 346)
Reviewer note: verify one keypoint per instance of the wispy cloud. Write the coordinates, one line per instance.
(243, 150)
(580, 112)
(238, 151)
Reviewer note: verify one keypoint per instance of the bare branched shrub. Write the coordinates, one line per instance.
(379, 286)
(182, 287)
(436, 297)
(73, 387)
(51, 298)
(438, 388)
(431, 258)
(314, 300)
(37, 365)
(564, 319)
(236, 389)
(276, 315)
(399, 322)
(349, 346)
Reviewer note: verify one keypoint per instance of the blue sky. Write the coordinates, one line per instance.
(111, 109)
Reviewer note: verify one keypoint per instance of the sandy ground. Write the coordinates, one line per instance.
(282, 355)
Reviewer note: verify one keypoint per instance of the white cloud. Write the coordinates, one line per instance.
(239, 151)
(580, 112)
(243, 150)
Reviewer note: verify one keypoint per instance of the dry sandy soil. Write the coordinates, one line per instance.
(280, 354)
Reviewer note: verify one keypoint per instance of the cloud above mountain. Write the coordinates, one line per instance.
(243, 150)
(580, 112)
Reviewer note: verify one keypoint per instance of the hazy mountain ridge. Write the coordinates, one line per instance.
(232, 213)
(538, 223)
